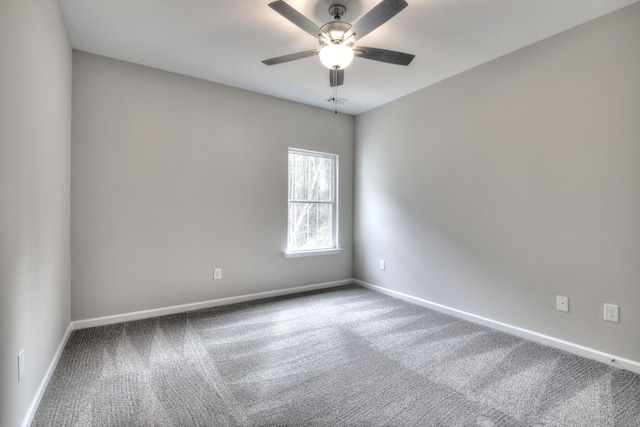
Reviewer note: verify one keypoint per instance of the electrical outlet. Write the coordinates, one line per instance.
(20, 364)
(382, 264)
(611, 312)
(217, 273)
(562, 303)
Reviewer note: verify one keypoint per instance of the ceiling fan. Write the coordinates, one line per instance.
(338, 37)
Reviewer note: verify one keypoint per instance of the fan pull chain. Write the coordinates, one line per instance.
(335, 99)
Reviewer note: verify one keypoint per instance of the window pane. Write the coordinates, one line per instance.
(310, 177)
(310, 226)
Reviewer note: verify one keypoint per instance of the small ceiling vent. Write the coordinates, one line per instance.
(339, 101)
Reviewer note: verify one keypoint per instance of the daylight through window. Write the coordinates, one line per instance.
(312, 201)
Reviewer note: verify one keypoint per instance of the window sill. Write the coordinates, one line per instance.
(315, 252)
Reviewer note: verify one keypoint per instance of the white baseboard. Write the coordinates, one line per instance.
(33, 407)
(577, 349)
(590, 353)
(146, 314)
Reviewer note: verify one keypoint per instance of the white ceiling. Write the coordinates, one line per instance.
(224, 41)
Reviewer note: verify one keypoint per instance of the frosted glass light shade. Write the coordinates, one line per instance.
(336, 56)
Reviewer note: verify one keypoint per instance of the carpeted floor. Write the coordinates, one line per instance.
(341, 357)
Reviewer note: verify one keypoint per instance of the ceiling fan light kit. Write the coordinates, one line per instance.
(338, 37)
(336, 56)
(337, 53)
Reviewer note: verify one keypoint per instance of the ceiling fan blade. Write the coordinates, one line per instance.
(291, 57)
(383, 55)
(336, 77)
(297, 18)
(377, 16)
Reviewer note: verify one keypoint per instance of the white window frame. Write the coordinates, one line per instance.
(334, 248)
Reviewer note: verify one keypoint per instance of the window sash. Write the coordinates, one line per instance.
(331, 202)
(313, 224)
(310, 201)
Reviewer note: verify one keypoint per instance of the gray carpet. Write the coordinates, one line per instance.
(341, 357)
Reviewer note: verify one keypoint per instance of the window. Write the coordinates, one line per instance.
(312, 217)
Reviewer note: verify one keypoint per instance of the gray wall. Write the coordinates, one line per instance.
(172, 176)
(500, 188)
(35, 115)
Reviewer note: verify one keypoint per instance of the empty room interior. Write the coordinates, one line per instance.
(478, 212)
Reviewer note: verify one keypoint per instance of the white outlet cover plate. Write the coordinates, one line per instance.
(562, 303)
(611, 312)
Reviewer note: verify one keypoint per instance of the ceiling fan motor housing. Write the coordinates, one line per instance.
(337, 30)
